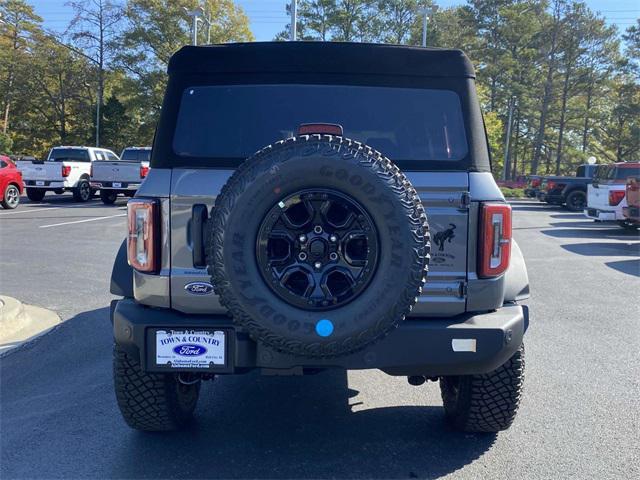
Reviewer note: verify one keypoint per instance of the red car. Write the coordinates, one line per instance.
(11, 185)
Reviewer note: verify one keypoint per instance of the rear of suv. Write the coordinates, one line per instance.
(314, 206)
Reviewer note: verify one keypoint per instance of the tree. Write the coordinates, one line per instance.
(19, 22)
(93, 29)
(154, 30)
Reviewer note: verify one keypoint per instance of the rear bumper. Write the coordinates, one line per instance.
(416, 347)
(47, 184)
(601, 215)
(124, 187)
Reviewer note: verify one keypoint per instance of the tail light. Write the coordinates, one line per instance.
(495, 239)
(144, 234)
(144, 170)
(66, 170)
(615, 197)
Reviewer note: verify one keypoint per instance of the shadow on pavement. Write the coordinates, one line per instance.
(611, 233)
(534, 208)
(604, 249)
(630, 267)
(569, 216)
(60, 420)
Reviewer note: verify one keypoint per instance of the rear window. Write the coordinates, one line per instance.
(623, 172)
(617, 172)
(68, 154)
(404, 124)
(133, 155)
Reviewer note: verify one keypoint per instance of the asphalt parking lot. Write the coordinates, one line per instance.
(580, 415)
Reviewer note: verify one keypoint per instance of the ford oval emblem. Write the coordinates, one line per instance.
(199, 288)
(189, 350)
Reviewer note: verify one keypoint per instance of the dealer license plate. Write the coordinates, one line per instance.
(39, 183)
(190, 348)
(117, 184)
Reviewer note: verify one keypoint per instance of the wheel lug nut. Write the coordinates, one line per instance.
(333, 238)
(333, 256)
(317, 229)
(302, 256)
(318, 265)
(302, 238)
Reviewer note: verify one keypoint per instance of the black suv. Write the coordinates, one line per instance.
(297, 194)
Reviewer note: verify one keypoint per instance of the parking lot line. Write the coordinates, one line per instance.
(29, 211)
(82, 221)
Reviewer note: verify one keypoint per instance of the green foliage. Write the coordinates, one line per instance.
(49, 85)
(5, 144)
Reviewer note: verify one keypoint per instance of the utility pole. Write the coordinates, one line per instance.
(294, 20)
(426, 12)
(195, 15)
(507, 140)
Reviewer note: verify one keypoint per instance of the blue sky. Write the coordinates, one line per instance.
(268, 17)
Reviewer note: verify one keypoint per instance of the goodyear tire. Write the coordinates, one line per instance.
(487, 402)
(325, 204)
(151, 402)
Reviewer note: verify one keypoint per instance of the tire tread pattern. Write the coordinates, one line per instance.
(487, 402)
(148, 401)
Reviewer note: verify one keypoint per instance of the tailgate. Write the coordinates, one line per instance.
(125, 172)
(598, 195)
(40, 171)
(444, 195)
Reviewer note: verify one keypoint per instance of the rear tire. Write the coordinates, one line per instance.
(11, 197)
(82, 193)
(487, 402)
(576, 201)
(35, 194)
(108, 197)
(628, 226)
(152, 402)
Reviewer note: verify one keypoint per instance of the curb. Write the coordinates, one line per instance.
(20, 323)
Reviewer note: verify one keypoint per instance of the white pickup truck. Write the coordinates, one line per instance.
(66, 168)
(606, 195)
(124, 176)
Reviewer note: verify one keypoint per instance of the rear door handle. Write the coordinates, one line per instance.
(199, 218)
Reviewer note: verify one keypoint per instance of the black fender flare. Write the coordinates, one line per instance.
(122, 274)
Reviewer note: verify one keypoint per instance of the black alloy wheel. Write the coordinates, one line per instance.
(317, 249)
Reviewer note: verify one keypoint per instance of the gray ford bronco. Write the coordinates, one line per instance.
(314, 206)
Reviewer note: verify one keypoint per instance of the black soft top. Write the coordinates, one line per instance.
(322, 57)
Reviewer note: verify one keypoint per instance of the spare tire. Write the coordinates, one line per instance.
(318, 246)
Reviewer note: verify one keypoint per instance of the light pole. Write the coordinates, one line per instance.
(426, 12)
(195, 15)
(294, 20)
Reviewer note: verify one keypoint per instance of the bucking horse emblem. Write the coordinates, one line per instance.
(445, 236)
